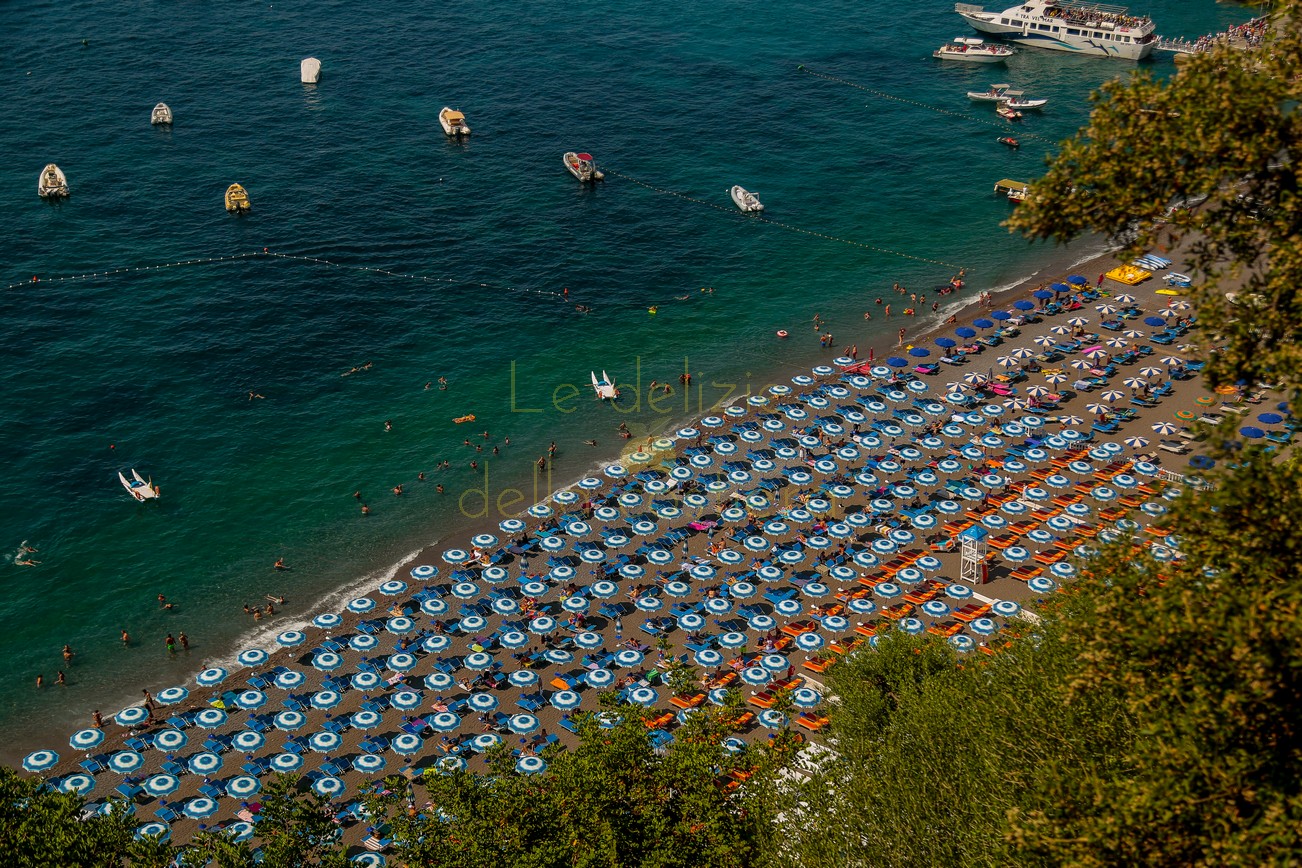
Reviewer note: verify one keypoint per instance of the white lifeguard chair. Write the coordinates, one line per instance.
(974, 545)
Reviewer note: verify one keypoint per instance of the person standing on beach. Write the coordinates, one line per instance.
(97, 719)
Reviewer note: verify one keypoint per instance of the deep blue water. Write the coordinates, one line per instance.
(691, 97)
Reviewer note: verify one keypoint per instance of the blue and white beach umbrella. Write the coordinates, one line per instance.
(252, 657)
(774, 662)
(659, 556)
(755, 675)
(434, 606)
(633, 571)
(327, 621)
(888, 590)
(324, 742)
(327, 661)
(599, 679)
(1016, 554)
(958, 592)
(393, 587)
(866, 559)
(465, 590)
(158, 785)
(291, 638)
(124, 762)
(565, 700)
(983, 626)
(248, 741)
(935, 609)
(456, 556)
(708, 658)
(691, 621)
(172, 695)
(445, 721)
(1005, 608)
(575, 603)
(434, 681)
(732, 639)
(962, 643)
(730, 557)
(788, 608)
(558, 656)
(809, 641)
(450, 765)
(370, 763)
(210, 718)
(289, 720)
(912, 626)
(1062, 570)
(629, 657)
(251, 700)
(242, 787)
(77, 783)
(210, 677)
(407, 744)
(530, 765)
(286, 762)
(291, 679)
(644, 696)
(85, 739)
(761, 623)
(328, 786)
(204, 763)
(170, 739)
(161, 831)
(718, 605)
(551, 543)
(478, 660)
(523, 724)
(482, 702)
(805, 697)
(427, 571)
(650, 604)
(200, 808)
(365, 719)
(678, 589)
(862, 606)
(486, 741)
(325, 699)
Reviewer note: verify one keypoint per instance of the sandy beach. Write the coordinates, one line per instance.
(843, 497)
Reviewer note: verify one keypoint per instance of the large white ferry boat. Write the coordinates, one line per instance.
(1067, 25)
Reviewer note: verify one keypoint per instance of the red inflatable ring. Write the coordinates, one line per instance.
(782, 333)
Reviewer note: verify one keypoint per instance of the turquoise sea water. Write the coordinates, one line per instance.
(692, 97)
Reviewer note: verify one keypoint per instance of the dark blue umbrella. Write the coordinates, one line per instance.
(1270, 418)
(1001, 315)
(1060, 287)
(897, 362)
(1252, 431)
(946, 343)
(1202, 462)
(1077, 280)
(983, 324)
(920, 352)
(965, 332)
(1155, 321)
(1023, 304)
(1042, 293)
(1282, 406)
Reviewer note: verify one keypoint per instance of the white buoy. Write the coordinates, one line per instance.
(310, 70)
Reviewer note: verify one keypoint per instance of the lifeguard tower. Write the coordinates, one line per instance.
(974, 542)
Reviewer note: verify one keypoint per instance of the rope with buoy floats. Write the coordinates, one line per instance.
(770, 221)
(914, 102)
(266, 253)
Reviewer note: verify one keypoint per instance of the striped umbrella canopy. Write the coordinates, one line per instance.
(252, 657)
(565, 700)
(708, 658)
(125, 761)
(286, 762)
(204, 763)
(248, 740)
(243, 786)
(211, 676)
(160, 831)
(444, 721)
(328, 786)
(530, 765)
(250, 700)
(200, 808)
(289, 720)
(291, 679)
(85, 739)
(170, 739)
(159, 785)
(407, 744)
(210, 718)
(523, 724)
(370, 763)
(77, 783)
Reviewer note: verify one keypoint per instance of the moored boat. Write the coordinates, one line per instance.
(582, 167)
(1009, 141)
(161, 114)
(453, 122)
(605, 387)
(971, 50)
(1007, 113)
(1067, 25)
(994, 94)
(137, 487)
(309, 70)
(237, 199)
(1014, 191)
(52, 183)
(1016, 100)
(745, 200)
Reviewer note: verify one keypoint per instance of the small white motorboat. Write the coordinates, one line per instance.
(605, 387)
(52, 184)
(453, 122)
(582, 167)
(745, 200)
(994, 94)
(309, 71)
(1008, 114)
(972, 50)
(137, 487)
(161, 114)
(1016, 100)
(237, 199)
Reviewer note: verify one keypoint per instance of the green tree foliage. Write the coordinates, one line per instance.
(1222, 140)
(612, 801)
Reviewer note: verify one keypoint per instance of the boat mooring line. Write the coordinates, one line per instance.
(761, 218)
(914, 102)
(212, 260)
